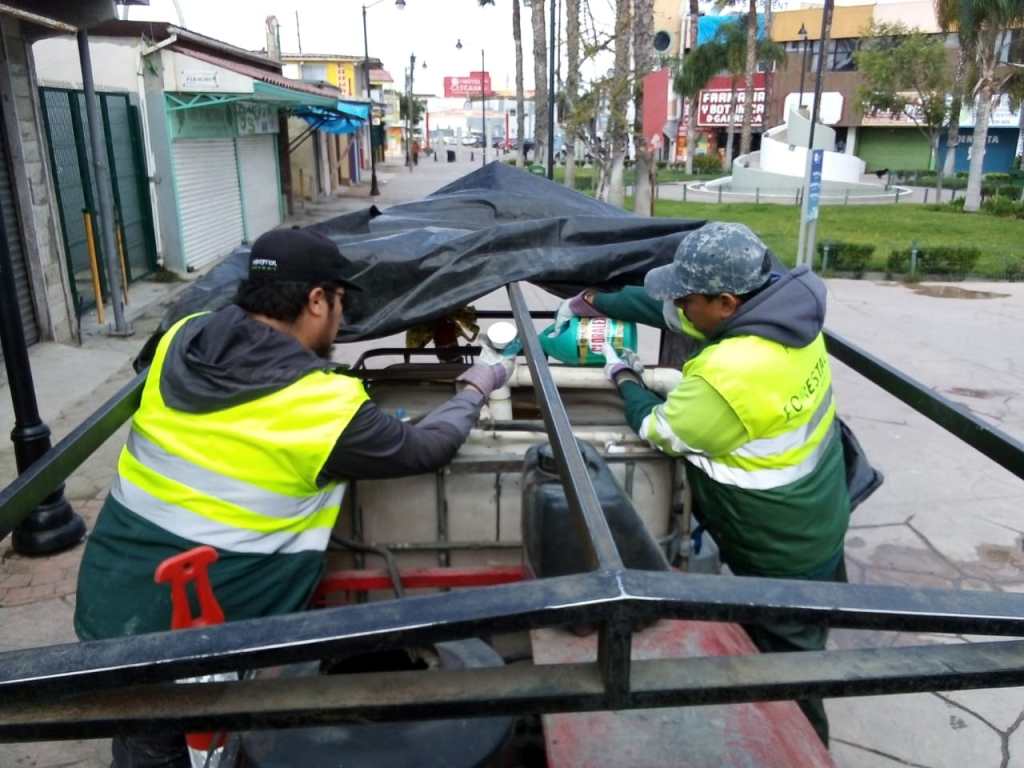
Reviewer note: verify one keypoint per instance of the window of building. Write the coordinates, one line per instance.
(842, 55)
(316, 73)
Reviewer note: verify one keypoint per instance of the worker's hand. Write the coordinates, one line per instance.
(485, 377)
(619, 363)
(577, 306)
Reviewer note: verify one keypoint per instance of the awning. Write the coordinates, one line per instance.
(330, 120)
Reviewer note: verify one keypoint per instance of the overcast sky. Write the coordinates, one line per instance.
(428, 28)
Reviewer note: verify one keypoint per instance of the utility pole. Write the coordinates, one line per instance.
(374, 189)
(808, 228)
(115, 276)
(409, 107)
(551, 96)
(483, 107)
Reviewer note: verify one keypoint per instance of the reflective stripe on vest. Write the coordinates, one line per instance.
(243, 478)
(783, 397)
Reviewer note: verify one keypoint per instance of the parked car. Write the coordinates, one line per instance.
(472, 140)
(449, 141)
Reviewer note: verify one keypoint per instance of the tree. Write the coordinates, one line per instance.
(570, 127)
(983, 26)
(540, 80)
(618, 97)
(692, 74)
(517, 36)
(732, 38)
(750, 69)
(906, 74)
(643, 63)
(419, 106)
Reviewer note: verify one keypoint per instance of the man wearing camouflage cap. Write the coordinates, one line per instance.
(754, 415)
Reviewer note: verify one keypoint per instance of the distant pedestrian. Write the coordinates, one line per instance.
(415, 152)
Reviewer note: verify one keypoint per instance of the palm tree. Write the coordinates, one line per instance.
(750, 68)
(618, 134)
(733, 39)
(692, 74)
(540, 78)
(982, 26)
(517, 35)
(572, 44)
(643, 63)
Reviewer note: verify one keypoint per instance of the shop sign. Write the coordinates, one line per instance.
(252, 119)
(467, 86)
(717, 109)
(198, 80)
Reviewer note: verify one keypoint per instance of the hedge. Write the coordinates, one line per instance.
(705, 164)
(935, 260)
(846, 257)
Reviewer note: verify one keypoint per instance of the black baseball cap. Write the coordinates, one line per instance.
(299, 256)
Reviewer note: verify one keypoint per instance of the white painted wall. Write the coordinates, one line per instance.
(114, 63)
(184, 74)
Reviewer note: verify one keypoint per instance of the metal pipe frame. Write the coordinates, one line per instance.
(124, 685)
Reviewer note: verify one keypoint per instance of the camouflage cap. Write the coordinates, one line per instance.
(717, 258)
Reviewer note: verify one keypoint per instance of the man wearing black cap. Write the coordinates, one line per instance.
(244, 441)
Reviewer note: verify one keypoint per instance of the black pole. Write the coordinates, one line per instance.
(52, 526)
(551, 96)
(826, 25)
(803, 71)
(374, 189)
(483, 107)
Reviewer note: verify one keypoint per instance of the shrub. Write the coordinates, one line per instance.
(707, 164)
(1015, 271)
(846, 257)
(936, 260)
(1009, 191)
(997, 178)
(1006, 207)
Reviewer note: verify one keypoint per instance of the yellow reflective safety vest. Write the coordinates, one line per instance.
(782, 396)
(243, 479)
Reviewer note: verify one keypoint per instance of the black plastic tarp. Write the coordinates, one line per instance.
(419, 261)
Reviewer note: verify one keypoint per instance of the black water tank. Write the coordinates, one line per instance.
(551, 537)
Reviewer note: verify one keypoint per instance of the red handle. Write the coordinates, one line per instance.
(179, 571)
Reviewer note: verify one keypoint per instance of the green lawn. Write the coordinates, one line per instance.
(1000, 240)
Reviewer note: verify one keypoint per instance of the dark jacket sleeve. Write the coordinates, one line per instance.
(375, 444)
(631, 303)
(639, 402)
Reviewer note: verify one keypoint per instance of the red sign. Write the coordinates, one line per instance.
(467, 86)
(716, 107)
(655, 105)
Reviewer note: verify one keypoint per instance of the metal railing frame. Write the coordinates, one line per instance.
(124, 685)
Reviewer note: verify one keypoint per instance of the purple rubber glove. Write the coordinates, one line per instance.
(485, 378)
(577, 306)
(620, 363)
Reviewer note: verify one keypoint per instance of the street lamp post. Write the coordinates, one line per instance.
(52, 526)
(410, 106)
(374, 188)
(803, 63)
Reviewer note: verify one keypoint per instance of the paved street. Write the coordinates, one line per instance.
(946, 516)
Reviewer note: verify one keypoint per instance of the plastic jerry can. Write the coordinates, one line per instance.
(582, 341)
(552, 542)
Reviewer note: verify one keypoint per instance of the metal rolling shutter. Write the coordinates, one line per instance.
(261, 193)
(209, 203)
(13, 231)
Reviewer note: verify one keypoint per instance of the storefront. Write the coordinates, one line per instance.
(718, 106)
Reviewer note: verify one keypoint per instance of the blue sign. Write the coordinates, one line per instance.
(814, 189)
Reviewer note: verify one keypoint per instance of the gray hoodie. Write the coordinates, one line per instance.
(790, 311)
(226, 358)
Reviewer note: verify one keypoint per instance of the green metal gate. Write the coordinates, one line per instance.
(70, 148)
